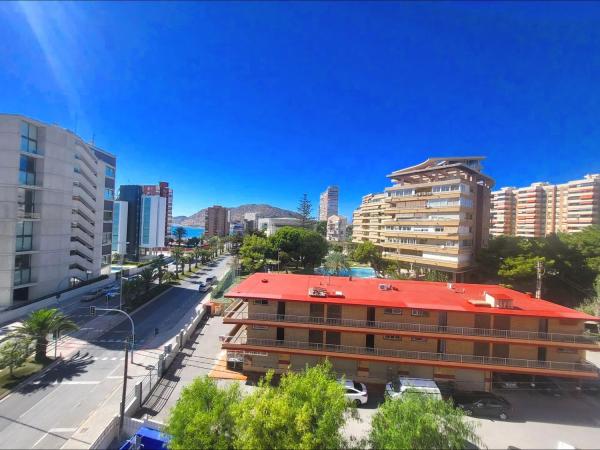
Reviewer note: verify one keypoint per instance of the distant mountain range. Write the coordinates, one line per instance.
(235, 214)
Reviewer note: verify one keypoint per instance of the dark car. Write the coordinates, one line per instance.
(546, 385)
(513, 381)
(482, 404)
(590, 387)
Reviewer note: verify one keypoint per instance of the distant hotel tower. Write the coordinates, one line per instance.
(328, 204)
(435, 216)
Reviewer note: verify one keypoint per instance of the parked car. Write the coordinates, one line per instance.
(92, 295)
(482, 404)
(355, 392)
(546, 385)
(211, 280)
(590, 387)
(203, 287)
(513, 381)
(397, 388)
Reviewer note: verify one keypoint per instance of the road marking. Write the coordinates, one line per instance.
(96, 358)
(113, 359)
(67, 382)
(114, 377)
(105, 359)
(62, 430)
(40, 439)
(121, 359)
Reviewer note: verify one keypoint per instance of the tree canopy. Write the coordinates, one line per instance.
(305, 211)
(368, 253)
(307, 410)
(254, 252)
(202, 417)
(336, 262)
(420, 421)
(572, 263)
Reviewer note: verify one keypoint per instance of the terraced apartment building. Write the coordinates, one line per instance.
(543, 208)
(373, 330)
(434, 216)
(56, 207)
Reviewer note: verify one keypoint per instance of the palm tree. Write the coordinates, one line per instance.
(197, 252)
(147, 276)
(336, 262)
(159, 264)
(179, 234)
(40, 324)
(177, 254)
(129, 290)
(186, 260)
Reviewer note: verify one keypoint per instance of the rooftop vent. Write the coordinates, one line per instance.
(385, 287)
(498, 300)
(317, 292)
(338, 294)
(264, 280)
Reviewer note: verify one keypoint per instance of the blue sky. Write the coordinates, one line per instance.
(238, 103)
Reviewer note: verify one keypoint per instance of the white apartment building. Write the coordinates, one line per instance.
(336, 228)
(152, 223)
(328, 202)
(272, 224)
(56, 205)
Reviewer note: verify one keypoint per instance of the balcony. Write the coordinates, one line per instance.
(240, 342)
(240, 315)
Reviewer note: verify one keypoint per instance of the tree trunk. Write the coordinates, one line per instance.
(41, 347)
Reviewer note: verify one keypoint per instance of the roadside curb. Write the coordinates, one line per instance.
(33, 377)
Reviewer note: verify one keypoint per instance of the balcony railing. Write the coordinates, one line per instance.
(417, 327)
(407, 354)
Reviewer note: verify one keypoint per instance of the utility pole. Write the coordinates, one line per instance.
(540, 270)
(122, 412)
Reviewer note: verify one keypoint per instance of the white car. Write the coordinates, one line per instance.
(395, 389)
(355, 392)
(203, 287)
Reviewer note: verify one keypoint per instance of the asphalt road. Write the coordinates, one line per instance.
(45, 413)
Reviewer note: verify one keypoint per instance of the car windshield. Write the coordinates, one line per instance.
(396, 385)
(357, 386)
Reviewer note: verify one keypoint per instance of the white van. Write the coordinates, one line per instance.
(395, 389)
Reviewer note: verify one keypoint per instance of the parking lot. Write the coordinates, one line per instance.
(537, 421)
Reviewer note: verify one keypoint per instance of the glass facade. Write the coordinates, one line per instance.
(25, 202)
(22, 269)
(28, 138)
(146, 220)
(27, 170)
(24, 236)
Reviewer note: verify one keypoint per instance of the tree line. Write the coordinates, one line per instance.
(308, 410)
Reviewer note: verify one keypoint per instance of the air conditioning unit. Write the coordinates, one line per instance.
(385, 287)
(450, 286)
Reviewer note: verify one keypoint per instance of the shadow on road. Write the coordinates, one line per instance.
(65, 371)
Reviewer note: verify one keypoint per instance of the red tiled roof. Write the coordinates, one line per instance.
(405, 294)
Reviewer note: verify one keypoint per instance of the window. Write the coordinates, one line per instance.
(418, 339)
(566, 350)
(27, 170)
(260, 302)
(108, 215)
(259, 327)
(106, 237)
(389, 337)
(109, 172)
(419, 313)
(22, 269)
(25, 202)
(396, 311)
(109, 194)
(24, 236)
(28, 138)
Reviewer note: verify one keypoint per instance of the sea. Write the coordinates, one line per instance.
(190, 231)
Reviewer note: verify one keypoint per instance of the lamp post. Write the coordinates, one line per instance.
(93, 310)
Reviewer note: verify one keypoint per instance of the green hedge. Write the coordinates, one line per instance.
(224, 284)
